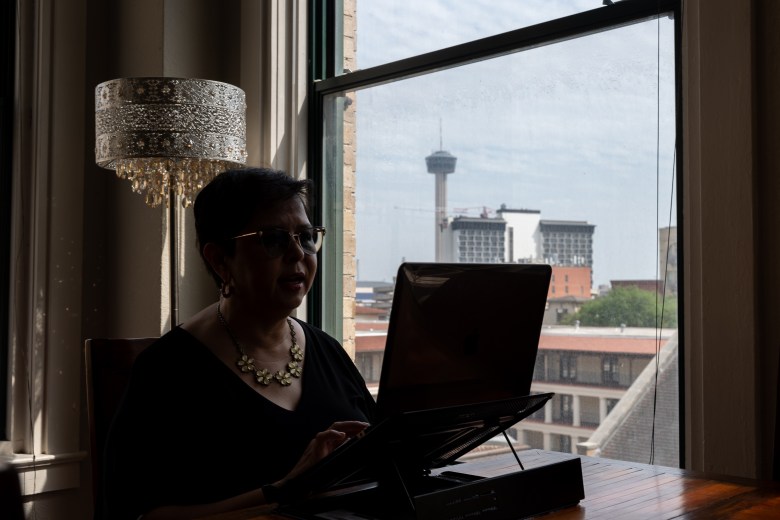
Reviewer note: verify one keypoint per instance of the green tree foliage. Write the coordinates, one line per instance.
(629, 306)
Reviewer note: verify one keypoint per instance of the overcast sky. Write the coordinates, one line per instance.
(576, 130)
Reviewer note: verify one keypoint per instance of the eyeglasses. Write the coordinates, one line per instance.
(276, 242)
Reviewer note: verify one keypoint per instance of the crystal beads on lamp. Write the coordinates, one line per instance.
(153, 177)
(169, 136)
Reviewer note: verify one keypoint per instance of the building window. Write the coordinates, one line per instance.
(539, 367)
(564, 444)
(610, 371)
(566, 409)
(568, 367)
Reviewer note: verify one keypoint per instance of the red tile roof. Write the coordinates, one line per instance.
(372, 343)
(607, 344)
(370, 311)
(371, 326)
(612, 345)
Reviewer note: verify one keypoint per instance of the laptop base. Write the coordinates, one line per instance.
(454, 496)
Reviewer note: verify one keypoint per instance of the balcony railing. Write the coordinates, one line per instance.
(586, 378)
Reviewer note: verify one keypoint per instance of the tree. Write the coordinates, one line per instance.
(629, 306)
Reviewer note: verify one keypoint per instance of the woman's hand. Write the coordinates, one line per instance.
(320, 446)
(323, 444)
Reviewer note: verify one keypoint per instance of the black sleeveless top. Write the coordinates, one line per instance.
(190, 431)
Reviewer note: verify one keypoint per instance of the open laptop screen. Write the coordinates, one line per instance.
(457, 371)
(461, 334)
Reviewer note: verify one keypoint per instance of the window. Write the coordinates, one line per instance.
(535, 122)
(540, 368)
(564, 444)
(411, 18)
(565, 409)
(568, 367)
(610, 371)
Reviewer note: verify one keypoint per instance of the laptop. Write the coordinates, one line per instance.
(457, 371)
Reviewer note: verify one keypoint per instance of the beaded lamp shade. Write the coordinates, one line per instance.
(169, 136)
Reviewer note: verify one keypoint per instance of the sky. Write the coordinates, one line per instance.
(579, 130)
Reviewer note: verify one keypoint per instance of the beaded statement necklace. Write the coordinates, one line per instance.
(262, 375)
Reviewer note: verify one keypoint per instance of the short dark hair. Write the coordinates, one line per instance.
(227, 203)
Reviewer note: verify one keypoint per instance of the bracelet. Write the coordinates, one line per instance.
(271, 493)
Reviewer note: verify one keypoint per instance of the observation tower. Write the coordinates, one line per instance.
(441, 163)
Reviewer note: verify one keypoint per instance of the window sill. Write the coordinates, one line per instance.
(46, 473)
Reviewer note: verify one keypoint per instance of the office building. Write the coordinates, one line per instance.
(591, 371)
(594, 372)
(474, 240)
(522, 234)
(568, 243)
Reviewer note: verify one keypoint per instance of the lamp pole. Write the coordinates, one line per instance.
(173, 262)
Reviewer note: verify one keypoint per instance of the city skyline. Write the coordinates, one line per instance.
(578, 130)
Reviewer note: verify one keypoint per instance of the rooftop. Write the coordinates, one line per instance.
(371, 337)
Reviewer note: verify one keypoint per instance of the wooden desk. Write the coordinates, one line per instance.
(618, 490)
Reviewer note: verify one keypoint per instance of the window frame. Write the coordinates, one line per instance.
(6, 174)
(327, 78)
(566, 410)
(567, 369)
(610, 375)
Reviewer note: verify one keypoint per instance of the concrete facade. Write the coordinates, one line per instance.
(567, 242)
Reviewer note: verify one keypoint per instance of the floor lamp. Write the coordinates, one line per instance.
(169, 137)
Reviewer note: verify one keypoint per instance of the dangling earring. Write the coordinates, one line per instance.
(225, 291)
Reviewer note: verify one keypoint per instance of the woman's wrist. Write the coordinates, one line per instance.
(271, 493)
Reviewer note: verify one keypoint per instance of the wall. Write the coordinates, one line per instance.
(767, 109)
(349, 284)
(525, 233)
(730, 194)
(570, 281)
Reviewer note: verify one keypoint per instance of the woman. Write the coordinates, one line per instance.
(223, 409)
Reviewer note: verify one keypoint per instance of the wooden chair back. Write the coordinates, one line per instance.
(10, 493)
(108, 364)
